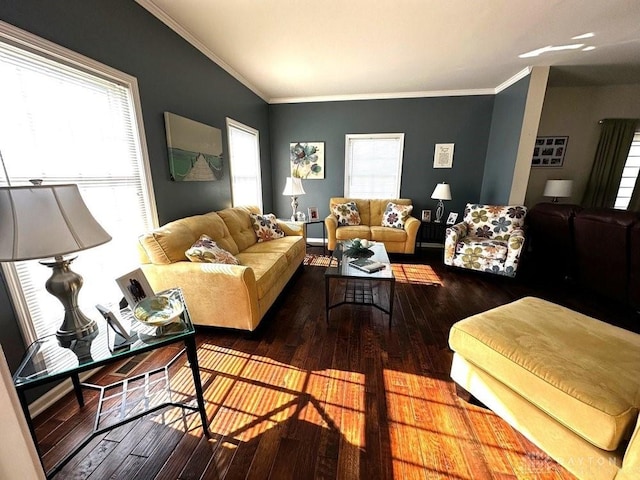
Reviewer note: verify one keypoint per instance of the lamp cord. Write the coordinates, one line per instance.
(4, 168)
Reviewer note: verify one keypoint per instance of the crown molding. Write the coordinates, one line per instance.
(383, 96)
(510, 81)
(180, 30)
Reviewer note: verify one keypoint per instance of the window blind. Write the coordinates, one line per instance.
(373, 165)
(244, 152)
(629, 175)
(64, 124)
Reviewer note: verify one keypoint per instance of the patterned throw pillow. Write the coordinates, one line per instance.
(346, 213)
(395, 215)
(266, 227)
(206, 250)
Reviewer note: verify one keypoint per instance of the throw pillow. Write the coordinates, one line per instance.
(346, 213)
(206, 250)
(266, 227)
(395, 215)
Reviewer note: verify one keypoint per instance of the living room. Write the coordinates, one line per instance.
(173, 76)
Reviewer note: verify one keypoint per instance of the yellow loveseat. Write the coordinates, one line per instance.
(396, 240)
(566, 381)
(232, 296)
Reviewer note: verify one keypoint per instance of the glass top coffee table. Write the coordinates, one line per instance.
(356, 287)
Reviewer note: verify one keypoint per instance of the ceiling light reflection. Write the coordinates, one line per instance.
(583, 36)
(551, 48)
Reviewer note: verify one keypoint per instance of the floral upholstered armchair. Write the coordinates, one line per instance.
(489, 238)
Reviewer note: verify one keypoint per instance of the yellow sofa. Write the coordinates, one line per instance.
(395, 240)
(566, 381)
(232, 296)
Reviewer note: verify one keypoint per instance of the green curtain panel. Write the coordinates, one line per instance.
(613, 148)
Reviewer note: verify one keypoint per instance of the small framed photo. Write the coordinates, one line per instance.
(451, 219)
(134, 286)
(426, 215)
(313, 213)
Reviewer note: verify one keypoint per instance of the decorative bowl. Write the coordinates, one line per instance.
(157, 311)
(356, 249)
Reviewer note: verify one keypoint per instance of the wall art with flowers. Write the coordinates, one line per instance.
(307, 160)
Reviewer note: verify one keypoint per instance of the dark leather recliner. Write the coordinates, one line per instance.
(550, 229)
(602, 240)
(598, 248)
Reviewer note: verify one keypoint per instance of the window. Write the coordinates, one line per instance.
(373, 165)
(68, 119)
(244, 152)
(629, 175)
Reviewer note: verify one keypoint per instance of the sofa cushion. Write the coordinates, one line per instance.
(168, 243)
(494, 220)
(350, 232)
(582, 372)
(386, 234)
(205, 250)
(266, 227)
(291, 246)
(238, 222)
(395, 215)
(494, 249)
(267, 267)
(346, 213)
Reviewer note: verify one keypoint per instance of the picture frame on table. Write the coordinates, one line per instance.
(313, 213)
(134, 286)
(426, 215)
(451, 219)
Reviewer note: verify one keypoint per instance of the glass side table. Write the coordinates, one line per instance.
(46, 361)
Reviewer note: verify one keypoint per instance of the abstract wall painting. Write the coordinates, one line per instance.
(195, 150)
(307, 160)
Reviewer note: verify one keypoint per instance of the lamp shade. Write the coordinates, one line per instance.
(293, 187)
(441, 192)
(45, 221)
(558, 188)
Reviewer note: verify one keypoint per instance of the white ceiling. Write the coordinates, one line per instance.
(312, 50)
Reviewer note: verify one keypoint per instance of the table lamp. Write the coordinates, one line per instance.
(51, 221)
(558, 189)
(293, 188)
(440, 193)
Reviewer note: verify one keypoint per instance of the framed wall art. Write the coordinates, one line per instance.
(307, 160)
(426, 215)
(195, 149)
(549, 151)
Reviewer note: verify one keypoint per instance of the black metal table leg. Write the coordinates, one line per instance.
(192, 355)
(75, 379)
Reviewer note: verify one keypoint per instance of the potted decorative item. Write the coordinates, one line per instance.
(357, 248)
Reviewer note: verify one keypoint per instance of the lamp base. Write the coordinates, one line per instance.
(439, 211)
(65, 284)
(294, 207)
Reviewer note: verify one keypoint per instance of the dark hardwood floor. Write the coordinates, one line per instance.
(301, 399)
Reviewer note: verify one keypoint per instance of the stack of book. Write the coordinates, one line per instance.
(367, 265)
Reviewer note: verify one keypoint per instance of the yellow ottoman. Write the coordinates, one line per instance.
(581, 372)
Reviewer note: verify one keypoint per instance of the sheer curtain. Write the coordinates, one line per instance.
(613, 148)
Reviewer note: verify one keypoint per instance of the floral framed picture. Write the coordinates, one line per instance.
(307, 160)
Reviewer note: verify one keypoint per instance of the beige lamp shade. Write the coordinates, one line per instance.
(558, 188)
(45, 221)
(441, 192)
(293, 187)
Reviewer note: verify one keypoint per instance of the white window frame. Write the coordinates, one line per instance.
(234, 169)
(629, 173)
(27, 41)
(348, 163)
